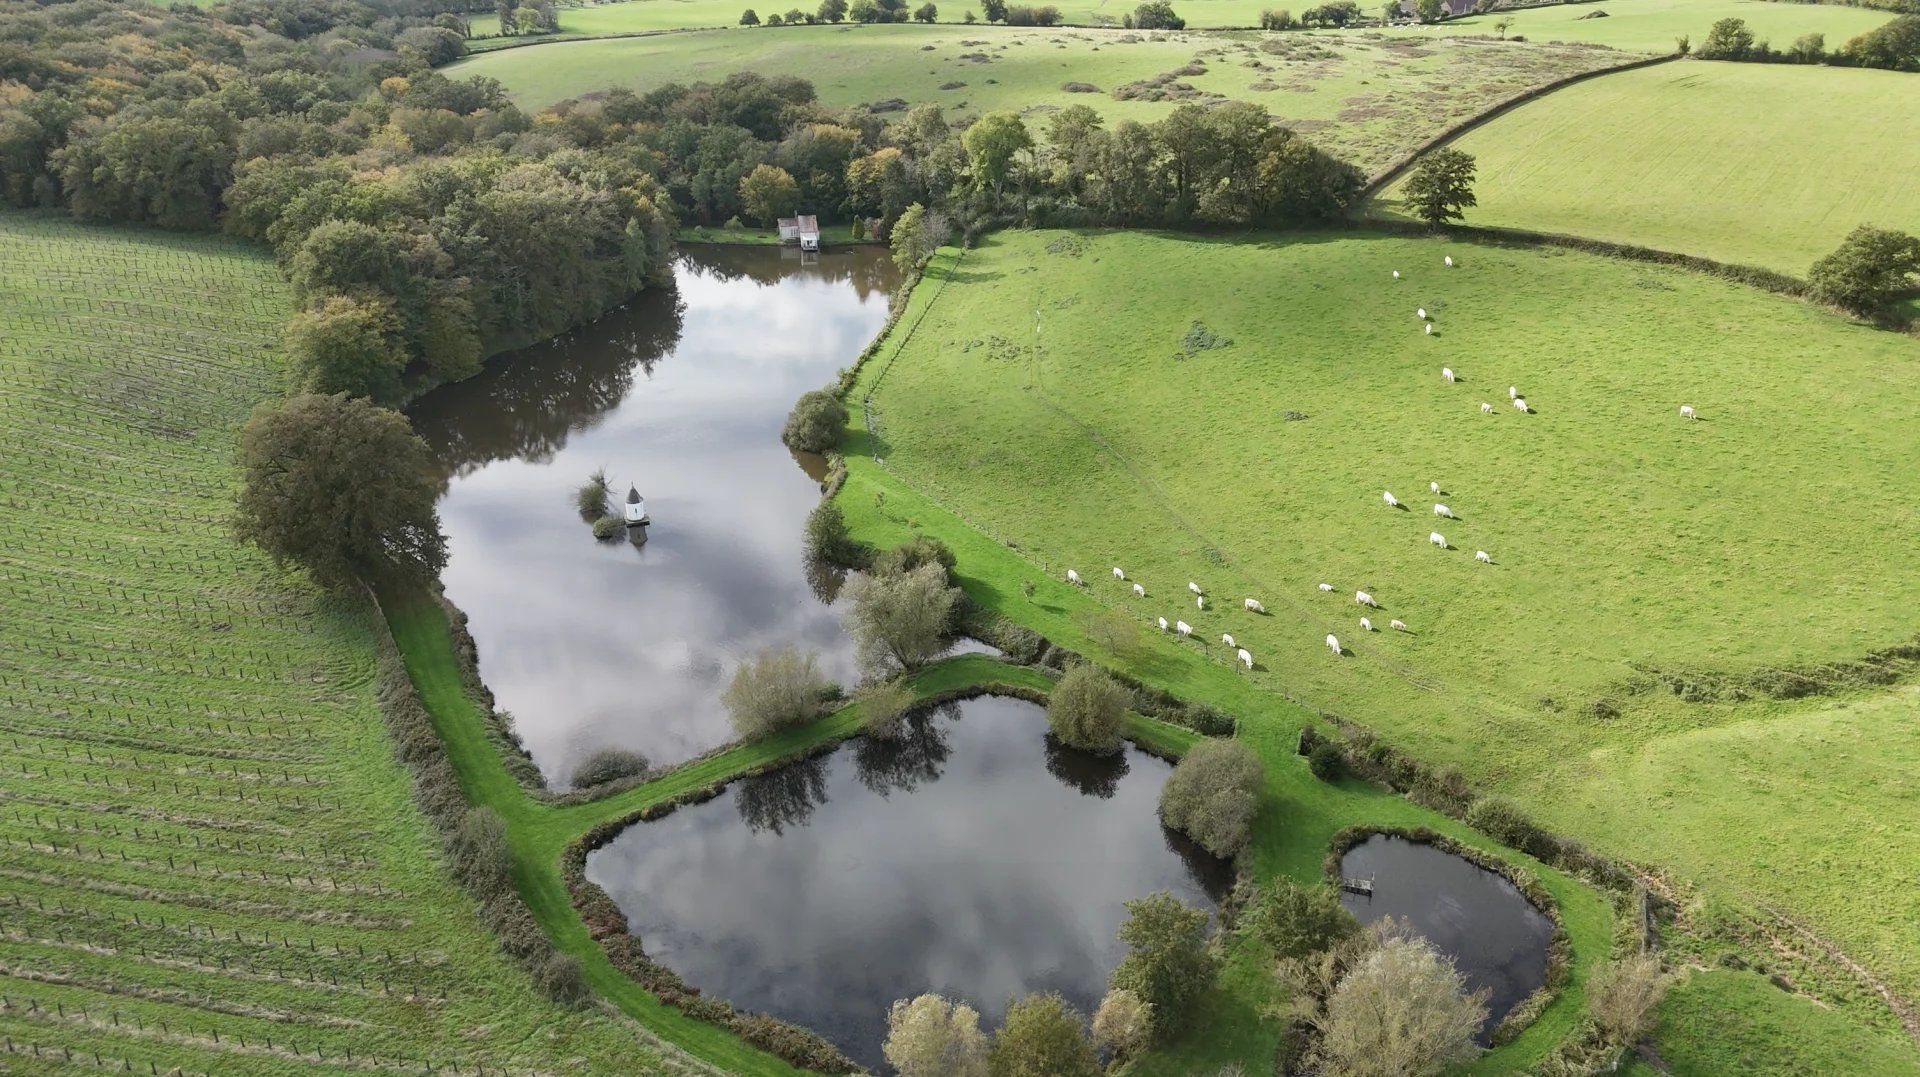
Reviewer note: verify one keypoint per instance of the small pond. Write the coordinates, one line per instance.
(974, 858)
(1477, 917)
(682, 394)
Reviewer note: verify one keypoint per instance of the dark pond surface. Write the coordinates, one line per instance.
(974, 858)
(682, 394)
(1493, 933)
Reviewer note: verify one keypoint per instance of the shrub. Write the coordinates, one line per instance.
(560, 978)
(817, 423)
(827, 537)
(1168, 964)
(1729, 39)
(1280, 19)
(1042, 1036)
(608, 765)
(1047, 15)
(1894, 45)
(748, 18)
(927, 13)
(908, 556)
(902, 617)
(882, 705)
(1157, 15)
(1298, 920)
(1622, 997)
(772, 690)
(1402, 1009)
(1121, 1024)
(608, 528)
(480, 855)
(1326, 762)
(1212, 795)
(1871, 267)
(1207, 720)
(1086, 710)
(592, 497)
(931, 1037)
(1501, 819)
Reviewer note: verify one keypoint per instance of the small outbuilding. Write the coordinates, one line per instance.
(804, 230)
(636, 507)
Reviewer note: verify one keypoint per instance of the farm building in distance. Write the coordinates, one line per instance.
(804, 228)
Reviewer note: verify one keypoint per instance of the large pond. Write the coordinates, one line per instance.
(592, 644)
(1477, 917)
(975, 858)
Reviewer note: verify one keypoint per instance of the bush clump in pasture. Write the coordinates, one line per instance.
(480, 855)
(1298, 920)
(608, 765)
(1042, 1036)
(1870, 268)
(931, 1037)
(1729, 39)
(1502, 820)
(1200, 337)
(1326, 762)
(1087, 709)
(1277, 19)
(1622, 997)
(910, 555)
(1043, 15)
(1212, 796)
(1168, 963)
(561, 979)
(902, 618)
(773, 690)
(1401, 1008)
(816, 423)
(340, 487)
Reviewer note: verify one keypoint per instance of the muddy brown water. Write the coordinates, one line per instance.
(975, 858)
(682, 394)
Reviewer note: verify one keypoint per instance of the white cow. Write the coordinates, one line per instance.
(1183, 628)
(1437, 539)
(1442, 510)
(1396, 274)
(1246, 658)
(1073, 577)
(1227, 638)
(1449, 261)
(1446, 372)
(1163, 624)
(1397, 625)
(1482, 556)
(1139, 591)
(1365, 599)
(1387, 496)
(1434, 486)
(1429, 328)
(1486, 408)
(1366, 625)
(1253, 604)
(1333, 643)
(1686, 411)
(1326, 587)
(1520, 402)
(1117, 574)
(1200, 602)
(1421, 314)
(1194, 587)
(1513, 392)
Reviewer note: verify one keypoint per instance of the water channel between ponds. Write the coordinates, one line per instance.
(592, 644)
(1494, 935)
(974, 857)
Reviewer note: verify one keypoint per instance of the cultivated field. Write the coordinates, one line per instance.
(1369, 100)
(1654, 26)
(1656, 585)
(209, 860)
(1757, 164)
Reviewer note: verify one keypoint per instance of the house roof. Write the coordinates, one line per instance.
(633, 495)
(809, 223)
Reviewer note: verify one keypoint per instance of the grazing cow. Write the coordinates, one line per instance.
(1520, 402)
(1333, 643)
(1183, 628)
(1449, 261)
(1442, 510)
(1513, 392)
(1437, 539)
(1396, 274)
(1073, 577)
(1447, 373)
(1397, 625)
(1117, 574)
(1246, 658)
(1366, 625)
(1365, 599)
(1392, 501)
(1254, 605)
(1139, 591)
(1326, 587)
(1163, 624)
(1686, 411)
(1482, 557)
(1200, 602)
(1486, 408)
(1421, 314)
(1194, 587)
(1429, 328)
(1434, 486)
(1227, 638)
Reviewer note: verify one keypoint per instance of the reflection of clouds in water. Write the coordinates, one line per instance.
(601, 644)
(987, 879)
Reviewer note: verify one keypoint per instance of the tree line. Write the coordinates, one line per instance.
(1892, 46)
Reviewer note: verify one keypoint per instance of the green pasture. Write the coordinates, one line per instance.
(1369, 100)
(1052, 396)
(1722, 1022)
(209, 857)
(1757, 164)
(639, 16)
(1655, 26)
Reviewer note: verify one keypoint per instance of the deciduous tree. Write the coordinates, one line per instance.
(1086, 710)
(1441, 186)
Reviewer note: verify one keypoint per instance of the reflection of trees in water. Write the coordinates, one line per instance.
(526, 404)
(868, 267)
(784, 797)
(902, 763)
(1214, 875)
(824, 579)
(1093, 775)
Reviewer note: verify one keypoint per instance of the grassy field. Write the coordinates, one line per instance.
(1755, 164)
(209, 858)
(1653, 26)
(1736, 1022)
(1630, 549)
(1370, 100)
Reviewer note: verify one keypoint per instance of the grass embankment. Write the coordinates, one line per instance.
(209, 858)
(1721, 1022)
(1755, 164)
(1628, 545)
(1370, 100)
(1655, 26)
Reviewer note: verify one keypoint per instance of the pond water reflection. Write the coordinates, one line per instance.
(974, 858)
(682, 394)
(1493, 933)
